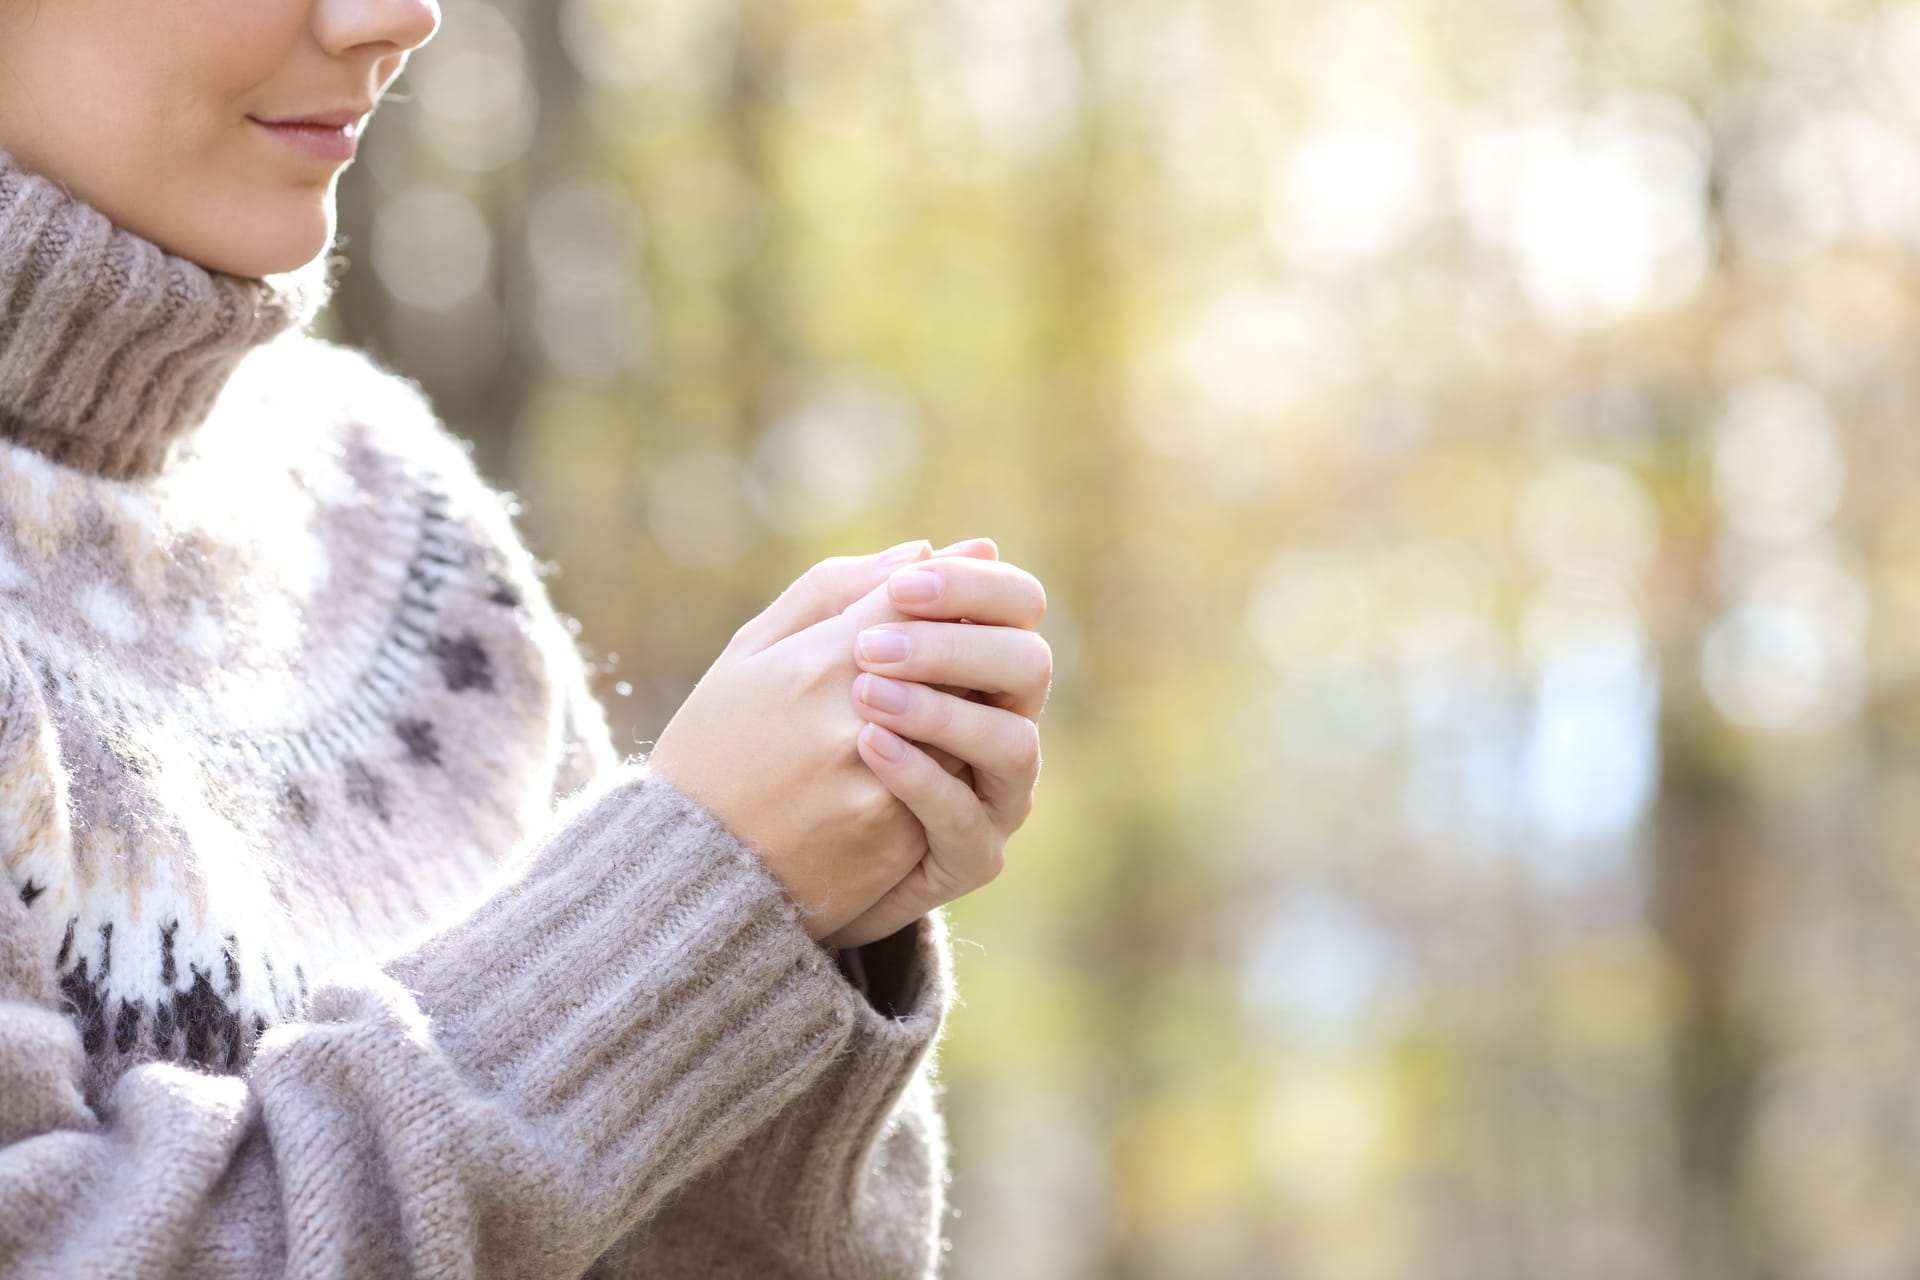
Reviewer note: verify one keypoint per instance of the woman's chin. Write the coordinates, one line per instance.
(274, 237)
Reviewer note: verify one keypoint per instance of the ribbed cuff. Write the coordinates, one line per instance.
(835, 1186)
(644, 991)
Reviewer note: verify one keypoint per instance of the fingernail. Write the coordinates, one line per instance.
(887, 695)
(887, 743)
(904, 552)
(914, 586)
(882, 646)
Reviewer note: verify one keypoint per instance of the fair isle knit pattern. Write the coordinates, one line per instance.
(263, 701)
(303, 791)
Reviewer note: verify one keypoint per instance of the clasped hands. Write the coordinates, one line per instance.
(873, 734)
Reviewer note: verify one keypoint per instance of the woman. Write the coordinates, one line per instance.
(342, 942)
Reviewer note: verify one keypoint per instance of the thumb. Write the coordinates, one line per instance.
(877, 606)
(871, 609)
(821, 592)
(837, 584)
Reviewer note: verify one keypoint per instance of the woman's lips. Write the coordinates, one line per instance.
(328, 142)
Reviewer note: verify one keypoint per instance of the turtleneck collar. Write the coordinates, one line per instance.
(111, 349)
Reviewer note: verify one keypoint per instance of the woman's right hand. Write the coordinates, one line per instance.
(766, 740)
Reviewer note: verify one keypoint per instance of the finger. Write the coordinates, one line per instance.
(895, 911)
(869, 610)
(877, 606)
(952, 587)
(982, 548)
(951, 763)
(1013, 667)
(1003, 748)
(964, 851)
(822, 592)
(947, 760)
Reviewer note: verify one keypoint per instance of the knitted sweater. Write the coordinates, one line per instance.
(341, 941)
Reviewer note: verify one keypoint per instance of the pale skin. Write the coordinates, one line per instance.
(150, 112)
(147, 111)
(781, 737)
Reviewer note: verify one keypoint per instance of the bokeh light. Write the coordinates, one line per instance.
(1470, 455)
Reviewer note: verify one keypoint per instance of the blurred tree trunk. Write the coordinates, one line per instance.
(1713, 841)
(479, 363)
(1711, 848)
(759, 339)
(1127, 928)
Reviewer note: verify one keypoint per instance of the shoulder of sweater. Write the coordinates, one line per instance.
(360, 396)
(353, 400)
(360, 402)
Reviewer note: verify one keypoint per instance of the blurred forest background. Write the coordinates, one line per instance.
(1470, 450)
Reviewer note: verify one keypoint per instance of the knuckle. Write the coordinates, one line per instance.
(976, 827)
(1025, 751)
(936, 711)
(824, 576)
(872, 802)
(1034, 601)
(1042, 659)
(808, 594)
(950, 648)
(945, 885)
(993, 863)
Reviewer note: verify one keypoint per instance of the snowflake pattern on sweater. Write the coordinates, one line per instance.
(310, 694)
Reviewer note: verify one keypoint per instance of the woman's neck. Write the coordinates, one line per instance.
(112, 350)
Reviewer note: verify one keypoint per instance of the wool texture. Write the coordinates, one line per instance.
(339, 939)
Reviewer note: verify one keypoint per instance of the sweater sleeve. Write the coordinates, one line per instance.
(510, 1098)
(847, 1179)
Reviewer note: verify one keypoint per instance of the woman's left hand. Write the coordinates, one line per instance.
(976, 633)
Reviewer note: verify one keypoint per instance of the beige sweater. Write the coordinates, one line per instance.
(340, 939)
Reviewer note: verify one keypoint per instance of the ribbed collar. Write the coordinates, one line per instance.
(111, 349)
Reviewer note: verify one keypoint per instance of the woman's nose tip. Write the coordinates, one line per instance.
(405, 25)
